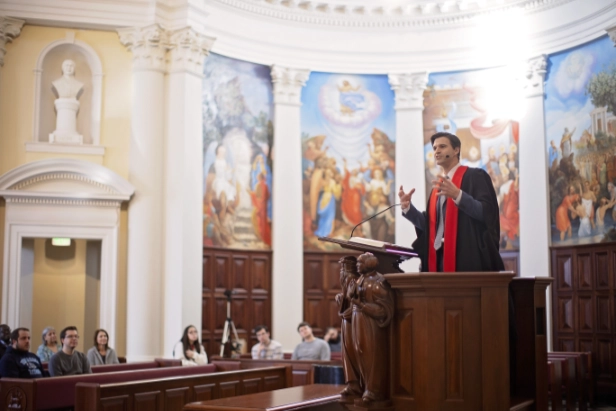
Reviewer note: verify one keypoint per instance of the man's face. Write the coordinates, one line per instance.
(305, 331)
(444, 153)
(263, 336)
(5, 332)
(71, 339)
(23, 341)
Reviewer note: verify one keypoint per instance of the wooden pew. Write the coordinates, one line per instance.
(569, 381)
(142, 365)
(303, 372)
(555, 382)
(59, 392)
(583, 374)
(171, 394)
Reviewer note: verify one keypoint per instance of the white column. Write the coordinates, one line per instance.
(10, 28)
(183, 178)
(287, 242)
(611, 31)
(145, 213)
(534, 192)
(534, 200)
(410, 168)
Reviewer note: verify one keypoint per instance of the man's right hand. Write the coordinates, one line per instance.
(405, 198)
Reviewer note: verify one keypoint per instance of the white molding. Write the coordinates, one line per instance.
(288, 83)
(409, 89)
(59, 148)
(96, 68)
(52, 210)
(188, 50)
(9, 29)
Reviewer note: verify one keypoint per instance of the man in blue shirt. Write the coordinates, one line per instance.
(18, 361)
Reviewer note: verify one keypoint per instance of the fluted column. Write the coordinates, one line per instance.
(410, 168)
(287, 243)
(146, 172)
(183, 177)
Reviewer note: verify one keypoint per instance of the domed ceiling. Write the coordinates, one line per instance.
(384, 13)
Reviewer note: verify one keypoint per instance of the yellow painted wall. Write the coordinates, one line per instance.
(17, 119)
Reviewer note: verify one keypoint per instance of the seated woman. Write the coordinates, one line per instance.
(101, 353)
(50, 344)
(189, 349)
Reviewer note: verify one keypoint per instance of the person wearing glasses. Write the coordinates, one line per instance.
(68, 361)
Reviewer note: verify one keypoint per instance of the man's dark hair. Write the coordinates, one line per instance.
(453, 139)
(261, 327)
(15, 333)
(302, 324)
(63, 332)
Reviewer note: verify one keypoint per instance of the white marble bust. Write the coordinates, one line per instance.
(67, 89)
(67, 86)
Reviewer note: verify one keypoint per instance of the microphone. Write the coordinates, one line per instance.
(371, 217)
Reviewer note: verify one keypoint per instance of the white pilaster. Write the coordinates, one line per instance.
(145, 214)
(183, 195)
(410, 168)
(611, 31)
(9, 29)
(535, 230)
(287, 243)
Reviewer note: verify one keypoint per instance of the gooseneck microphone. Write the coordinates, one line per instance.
(370, 218)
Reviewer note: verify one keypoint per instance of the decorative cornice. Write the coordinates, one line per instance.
(10, 28)
(611, 31)
(60, 201)
(409, 89)
(534, 80)
(188, 50)
(60, 176)
(149, 46)
(402, 14)
(288, 84)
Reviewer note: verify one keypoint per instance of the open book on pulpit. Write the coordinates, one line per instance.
(389, 255)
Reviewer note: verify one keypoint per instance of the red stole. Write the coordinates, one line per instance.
(451, 228)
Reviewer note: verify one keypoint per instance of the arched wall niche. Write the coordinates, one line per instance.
(89, 71)
(62, 198)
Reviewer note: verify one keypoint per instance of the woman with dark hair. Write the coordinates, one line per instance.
(189, 349)
(101, 353)
(50, 344)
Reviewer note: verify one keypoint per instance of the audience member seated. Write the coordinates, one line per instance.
(49, 346)
(5, 338)
(18, 361)
(311, 348)
(101, 353)
(68, 361)
(189, 349)
(266, 349)
(332, 337)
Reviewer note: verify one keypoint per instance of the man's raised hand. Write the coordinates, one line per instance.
(405, 198)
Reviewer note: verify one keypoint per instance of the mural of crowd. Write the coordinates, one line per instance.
(348, 153)
(238, 135)
(460, 103)
(581, 143)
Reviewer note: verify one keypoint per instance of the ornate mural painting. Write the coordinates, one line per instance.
(581, 143)
(480, 107)
(237, 169)
(348, 152)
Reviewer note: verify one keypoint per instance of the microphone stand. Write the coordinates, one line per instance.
(370, 218)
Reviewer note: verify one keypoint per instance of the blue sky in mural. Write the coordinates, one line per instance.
(314, 121)
(566, 103)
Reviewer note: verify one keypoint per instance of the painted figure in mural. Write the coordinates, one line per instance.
(565, 142)
(350, 100)
(348, 283)
(563, 222)
(326, 208)
(553, 154)
(352, 192)
(373, 309)
(510, 206)
(611, 189)
(604, 205)
(260, 197)
(585, 211)
(222, 181)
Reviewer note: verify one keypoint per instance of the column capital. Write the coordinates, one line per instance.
(288, 83)
(149, 46)
(611, 31)
(10, 28)
(188, 50)
(409, 89)
(533, 80)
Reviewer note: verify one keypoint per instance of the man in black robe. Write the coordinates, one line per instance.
(468, 239)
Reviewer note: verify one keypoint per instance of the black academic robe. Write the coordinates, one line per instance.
(477, 242)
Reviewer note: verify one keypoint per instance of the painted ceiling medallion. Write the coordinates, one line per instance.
(384, 13)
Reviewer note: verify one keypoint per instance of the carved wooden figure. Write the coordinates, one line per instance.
(373, 310)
